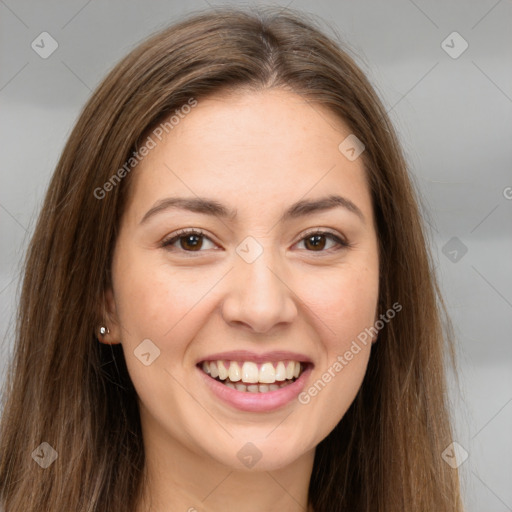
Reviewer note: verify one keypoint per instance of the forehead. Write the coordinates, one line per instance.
(251, 150)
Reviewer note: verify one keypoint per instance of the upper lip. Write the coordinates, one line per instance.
(246, 355)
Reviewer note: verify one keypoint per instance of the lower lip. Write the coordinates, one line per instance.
(257, 402)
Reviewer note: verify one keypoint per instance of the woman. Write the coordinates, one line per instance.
(228, 301)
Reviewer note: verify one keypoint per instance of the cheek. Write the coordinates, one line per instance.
(150, 298)
(337, 378)
(344, 309)
(333, 389)
(158, 312)
(164, 305)
(344, 304)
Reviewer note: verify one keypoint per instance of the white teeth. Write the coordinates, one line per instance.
(290, 368)
(214, 371)
(249, 373)
(267, 373)
(280, 371)
(234, 372)
(223, 371)
(256, 388)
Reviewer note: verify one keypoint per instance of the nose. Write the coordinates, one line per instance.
(259, 295)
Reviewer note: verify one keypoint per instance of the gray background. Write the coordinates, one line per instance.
(454, 119)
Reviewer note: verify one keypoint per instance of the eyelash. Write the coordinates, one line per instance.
(186, 232)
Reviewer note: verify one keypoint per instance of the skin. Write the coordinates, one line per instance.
(256, 152)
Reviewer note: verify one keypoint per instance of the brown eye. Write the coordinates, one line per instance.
(189, 241)
(192, 242)
(316, 241)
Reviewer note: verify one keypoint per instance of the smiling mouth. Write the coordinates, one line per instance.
(247, 376)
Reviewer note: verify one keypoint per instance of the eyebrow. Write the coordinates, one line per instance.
(212, 207)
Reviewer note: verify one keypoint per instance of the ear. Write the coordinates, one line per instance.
(110, 320)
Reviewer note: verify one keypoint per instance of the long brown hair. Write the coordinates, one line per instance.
(67, 389)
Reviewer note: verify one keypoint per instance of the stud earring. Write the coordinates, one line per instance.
(104, 330)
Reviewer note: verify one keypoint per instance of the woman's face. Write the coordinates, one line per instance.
(259, 289)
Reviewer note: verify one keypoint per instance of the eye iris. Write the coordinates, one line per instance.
(316, 243)
(194, 241)
(194, 245)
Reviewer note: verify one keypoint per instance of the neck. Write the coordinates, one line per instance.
(178, 478)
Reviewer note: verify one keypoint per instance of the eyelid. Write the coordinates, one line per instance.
(324, 231)
(174, 237)
(337, 237)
